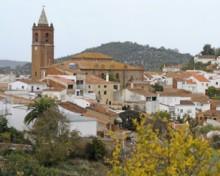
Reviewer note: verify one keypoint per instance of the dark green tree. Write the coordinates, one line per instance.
(157, 87)
(211, 92)
(208, 50)
(96, 150)
(3, 124)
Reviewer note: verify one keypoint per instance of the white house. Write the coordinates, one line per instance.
(180, 102)
(27, 85)
(139, 99)
(84, 125)
(195, 83)
(185, 107)
(205, 59)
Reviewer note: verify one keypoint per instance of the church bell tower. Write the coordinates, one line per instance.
(42, 47)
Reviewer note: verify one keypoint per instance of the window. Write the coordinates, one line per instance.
(105, 92)
(115, 87)
(89, 86)
(181, 110)
(117, 76)
(216, 83)
(99, 92)
(154, 98)
(22, 87)
(35, 73)
(98, 86)
(38, 88)
(70, 86)
(79, 82)
(46, 37)
(103, 75)
(36, 37)
(105, 86)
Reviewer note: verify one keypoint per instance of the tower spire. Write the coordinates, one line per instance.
(43, 18)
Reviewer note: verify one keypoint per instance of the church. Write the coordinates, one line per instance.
(96, 64)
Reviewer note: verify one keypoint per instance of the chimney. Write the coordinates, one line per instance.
(107, 77)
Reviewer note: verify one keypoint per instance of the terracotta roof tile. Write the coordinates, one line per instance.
(186, 102)
(92, 79)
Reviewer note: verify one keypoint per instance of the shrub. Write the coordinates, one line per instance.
(3, 124)
(96, 150)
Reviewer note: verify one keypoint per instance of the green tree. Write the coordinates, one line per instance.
(96, 150)
(51, 136)
(190, 65)
(217, 52)
(157, 87)
(208, 50)
(38, 107)
(3, 124)
(211, 92)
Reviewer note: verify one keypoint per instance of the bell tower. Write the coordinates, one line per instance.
(42, 47)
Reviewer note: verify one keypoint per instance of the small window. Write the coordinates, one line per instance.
(89, 86)
(117, 76)
(105, 86)
(154, 98)
(46, 37)
(70, 86)
(103, 75)
(98, 86)
(38, 88)
(22, 87)
(35, 73)
(115, 87)
(105, 92)
(99, 92)
(79, 82)
(36, 37)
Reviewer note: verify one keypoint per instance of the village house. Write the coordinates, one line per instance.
(138, 99)
(207, 59)
(85, 126)
(185, 108)
(103, 89)
(104, 117)
(27, 85)
(171, 68)
(180, 102)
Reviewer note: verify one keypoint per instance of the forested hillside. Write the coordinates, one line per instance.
(152, 58)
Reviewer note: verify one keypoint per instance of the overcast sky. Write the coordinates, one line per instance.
(79, 24)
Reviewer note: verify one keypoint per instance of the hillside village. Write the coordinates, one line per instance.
(93, 89)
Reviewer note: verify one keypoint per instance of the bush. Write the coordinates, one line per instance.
(25, 165)
(96, 150)
(157, 88)
(3, 124)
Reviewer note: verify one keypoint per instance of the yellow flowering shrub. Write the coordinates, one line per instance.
(176, 153)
